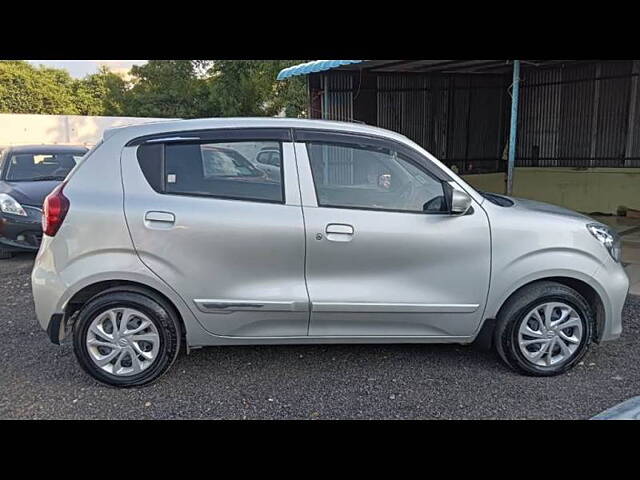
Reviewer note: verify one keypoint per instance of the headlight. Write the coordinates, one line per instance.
(8, 204)
(607, 237)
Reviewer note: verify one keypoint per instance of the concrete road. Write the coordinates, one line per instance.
(42, 381)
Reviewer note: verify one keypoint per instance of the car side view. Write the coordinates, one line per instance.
(170, 235)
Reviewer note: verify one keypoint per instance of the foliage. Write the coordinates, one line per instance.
(27, 89)
(250, 88)
(159, 88)
(167, 88)
(102, 93)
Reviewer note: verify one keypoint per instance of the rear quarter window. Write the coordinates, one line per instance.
(151, 159)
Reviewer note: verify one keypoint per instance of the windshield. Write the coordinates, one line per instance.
(41, 166)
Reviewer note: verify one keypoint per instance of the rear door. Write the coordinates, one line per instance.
(227, 236)
(384, 255)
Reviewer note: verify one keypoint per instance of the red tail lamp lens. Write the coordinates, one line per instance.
(56, 206)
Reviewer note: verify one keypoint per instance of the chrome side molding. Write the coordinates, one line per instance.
(393, 307)
(228, 306)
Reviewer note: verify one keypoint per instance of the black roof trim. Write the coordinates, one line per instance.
(216, 134)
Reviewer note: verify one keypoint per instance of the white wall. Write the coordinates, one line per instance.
(26, 129)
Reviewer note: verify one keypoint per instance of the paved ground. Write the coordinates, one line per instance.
(40, 380)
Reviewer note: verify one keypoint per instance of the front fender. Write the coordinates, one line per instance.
(538, 265)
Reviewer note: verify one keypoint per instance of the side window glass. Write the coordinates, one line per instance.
(355, 176)
(224, 169)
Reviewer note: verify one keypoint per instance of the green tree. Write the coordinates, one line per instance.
(28, 89)
(291, 94)
(102, 93)
(167, 88)
(160, 88)
(250, 88)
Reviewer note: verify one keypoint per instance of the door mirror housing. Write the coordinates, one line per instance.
(267, 158)
(263, 158)
(460, 202)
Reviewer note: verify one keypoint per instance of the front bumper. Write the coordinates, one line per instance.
(55, 328)
(614, 285)
(18, 233)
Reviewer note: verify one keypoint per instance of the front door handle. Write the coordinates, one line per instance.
(339, 232)
(163, 217)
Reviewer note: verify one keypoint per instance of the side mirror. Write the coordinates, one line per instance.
(460, 202)
(263, 158)
(271, 158)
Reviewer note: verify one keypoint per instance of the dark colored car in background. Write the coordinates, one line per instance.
(27, 175)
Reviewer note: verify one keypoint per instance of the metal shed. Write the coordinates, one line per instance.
(572, 116)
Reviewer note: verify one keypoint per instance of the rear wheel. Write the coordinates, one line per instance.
(126, 339)
(4, 254)
(544, 329)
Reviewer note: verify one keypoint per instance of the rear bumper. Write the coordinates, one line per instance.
(47, 287)
(20, 234)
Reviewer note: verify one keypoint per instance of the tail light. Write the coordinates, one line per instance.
(55, 208)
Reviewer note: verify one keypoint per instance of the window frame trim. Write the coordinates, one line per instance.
(353, 140)
(275, 135)
(305, 135)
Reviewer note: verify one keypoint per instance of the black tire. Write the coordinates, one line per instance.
(156, 310)
(5, 254)
(513, 313)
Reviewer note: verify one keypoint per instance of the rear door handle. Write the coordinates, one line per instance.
(164, 217)
(339, 228)
(339, 232)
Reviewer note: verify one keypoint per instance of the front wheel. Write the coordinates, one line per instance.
(544, 329)
(126, 339)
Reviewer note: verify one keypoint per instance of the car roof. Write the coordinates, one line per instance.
(47, 148)
(130, 132)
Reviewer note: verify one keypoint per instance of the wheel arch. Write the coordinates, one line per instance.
(589, 293)
(82, 296)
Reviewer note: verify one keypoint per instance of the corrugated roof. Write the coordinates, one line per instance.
(312, 67)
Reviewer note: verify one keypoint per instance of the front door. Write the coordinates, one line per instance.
(224, 233)
(384, 255)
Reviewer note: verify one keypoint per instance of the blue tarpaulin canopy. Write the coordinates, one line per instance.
(312, 67)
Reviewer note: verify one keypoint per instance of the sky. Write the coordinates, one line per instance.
(80, 68)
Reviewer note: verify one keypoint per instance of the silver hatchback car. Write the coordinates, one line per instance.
(172, 235)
